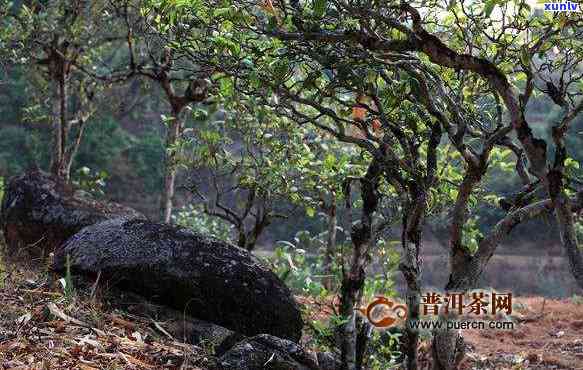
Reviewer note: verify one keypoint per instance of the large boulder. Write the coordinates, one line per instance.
(268, 352)
(39, 213)
(193, 273)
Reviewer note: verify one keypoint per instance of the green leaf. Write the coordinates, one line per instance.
(489, 7)
(226, 87)
(200, 114)
(224, 43)
(330, 161)
(319, 8)
(221, 12)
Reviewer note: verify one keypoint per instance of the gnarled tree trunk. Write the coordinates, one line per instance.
(410, 267)
(564, 216)
(353, 279)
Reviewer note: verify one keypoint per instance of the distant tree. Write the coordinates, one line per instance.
(57, 42)
(243, 173)
(149, 36)
(325, 167)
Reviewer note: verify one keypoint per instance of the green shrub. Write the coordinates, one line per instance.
(322, 333)
(304, 272)
(194, 218)
(381, 281)
(299, 271)
(384, 352)
(577, 300)
(90, 181)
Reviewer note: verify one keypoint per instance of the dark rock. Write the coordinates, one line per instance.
(204, 362)
(268, 352)
(328, 361)
(38, 214)
(213, 338)
(193, 273)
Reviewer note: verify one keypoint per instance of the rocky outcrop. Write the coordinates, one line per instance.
(267, 352)
(204, 277)
(38, 214)
(328, 361)
(213, 338)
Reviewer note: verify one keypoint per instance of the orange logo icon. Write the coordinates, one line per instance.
(371, 312)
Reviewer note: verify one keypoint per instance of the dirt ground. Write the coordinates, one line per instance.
(547, 335)
(42, 328)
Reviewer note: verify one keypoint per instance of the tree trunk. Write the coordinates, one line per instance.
(466, 269)
(330, 246)
(569, 240)
(410, 268)
(60, 97)
(448, 345)
(353, 281)
(248, 239)
(57, 153)
(167, 199)
(566, 223)
(413, 296)
(242, 239)
(352, 284)
(364, 332)
(350, 287)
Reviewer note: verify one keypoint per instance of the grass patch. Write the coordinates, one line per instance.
(3, 267)
(83, 333)
(577, 299)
